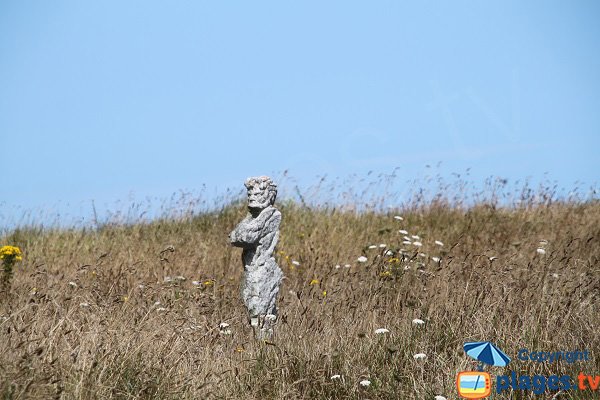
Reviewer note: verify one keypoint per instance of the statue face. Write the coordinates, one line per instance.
(258, 198)
(259, 195)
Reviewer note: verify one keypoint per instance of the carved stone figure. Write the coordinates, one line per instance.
(257, 235)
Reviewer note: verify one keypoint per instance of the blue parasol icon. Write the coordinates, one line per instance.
(486, 352)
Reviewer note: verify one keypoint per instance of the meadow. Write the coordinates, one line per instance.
(138, 311)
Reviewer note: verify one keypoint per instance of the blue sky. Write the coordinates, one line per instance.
(116, 100)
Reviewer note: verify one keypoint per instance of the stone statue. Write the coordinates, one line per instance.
(257, 235)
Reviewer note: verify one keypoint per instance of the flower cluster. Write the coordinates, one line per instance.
(9, 256)
(10, 253)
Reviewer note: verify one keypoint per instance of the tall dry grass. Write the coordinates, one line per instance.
(114, 312)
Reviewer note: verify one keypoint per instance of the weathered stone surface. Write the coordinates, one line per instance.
(257, 235)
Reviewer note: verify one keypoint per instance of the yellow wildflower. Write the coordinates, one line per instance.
(314, 282)
(209, 282)
(324, 293)
(9, 256)
(385, 274)
(11, 253)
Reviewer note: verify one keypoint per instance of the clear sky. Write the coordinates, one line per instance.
(115, 100)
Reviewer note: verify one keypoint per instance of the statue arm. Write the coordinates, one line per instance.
(242, 234)
(251, 230)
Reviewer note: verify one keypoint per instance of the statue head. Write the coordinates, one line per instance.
(261, 192)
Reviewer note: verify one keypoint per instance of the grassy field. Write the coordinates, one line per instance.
(116, 312)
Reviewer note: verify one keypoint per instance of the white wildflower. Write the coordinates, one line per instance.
(420, 356)
(407, 238)
(418, 321)
(555, 275)
(338, 266)
(365, 382)
(382, 245)
(180, 278)
(439, 243)
(407, 242)
(418, 244)
(73, 284)
(493, 258)
(372, 246)
(399, 218)
(196, 283)
(224, 328)
(141, 286)
(270, 317)
(336, 376)
(438, 397)
(167, 279)
(159, 309)
(435, 259)
(389, 253)
(362, 259)
(416, 237)
(402, 231)
(541, 251)
(296, 263)
(84, 304)
(381, 331)
(422, 255)
(157, 303)
(347, 266)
